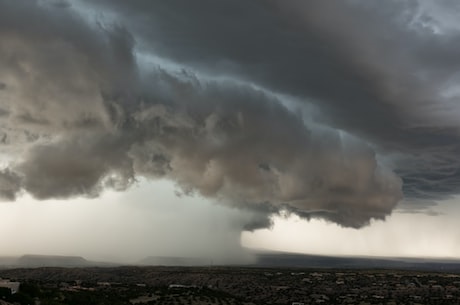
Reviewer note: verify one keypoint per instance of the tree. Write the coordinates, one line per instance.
(5, 293)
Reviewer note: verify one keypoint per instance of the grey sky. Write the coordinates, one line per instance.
(147, 220)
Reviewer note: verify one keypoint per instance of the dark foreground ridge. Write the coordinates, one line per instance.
(228, 285)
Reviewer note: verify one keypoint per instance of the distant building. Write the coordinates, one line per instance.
(175, 286)
(13, 286)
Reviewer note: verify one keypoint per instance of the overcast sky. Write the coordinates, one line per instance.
(193, 128)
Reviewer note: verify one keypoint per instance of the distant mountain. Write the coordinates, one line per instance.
(52, 261)
(282, 259)
(174, 261)
(270, 259)
(34, 261)
(6, 261)
(274, 259)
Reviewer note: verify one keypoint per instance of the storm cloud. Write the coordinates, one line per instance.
(337, 109)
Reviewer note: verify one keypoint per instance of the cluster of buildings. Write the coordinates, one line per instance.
(12, 286)
(251, 285)
(344, 287)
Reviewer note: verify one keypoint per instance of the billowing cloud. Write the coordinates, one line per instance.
(238, 144)
(335, 110)
(10, 184)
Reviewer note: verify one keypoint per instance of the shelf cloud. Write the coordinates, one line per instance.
(338, 110)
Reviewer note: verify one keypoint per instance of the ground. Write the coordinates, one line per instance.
(230, 286)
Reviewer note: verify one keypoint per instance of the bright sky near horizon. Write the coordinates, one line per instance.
(150, 219)
(200, 128)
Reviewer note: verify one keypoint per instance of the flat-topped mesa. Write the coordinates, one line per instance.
(51, 261)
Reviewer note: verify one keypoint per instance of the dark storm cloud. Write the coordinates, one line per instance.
(236, 143)
(88, 111)
(10, 185)
(377, 69)
(56, 65)
(261, 41)
(306, 48)
(78, 165)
